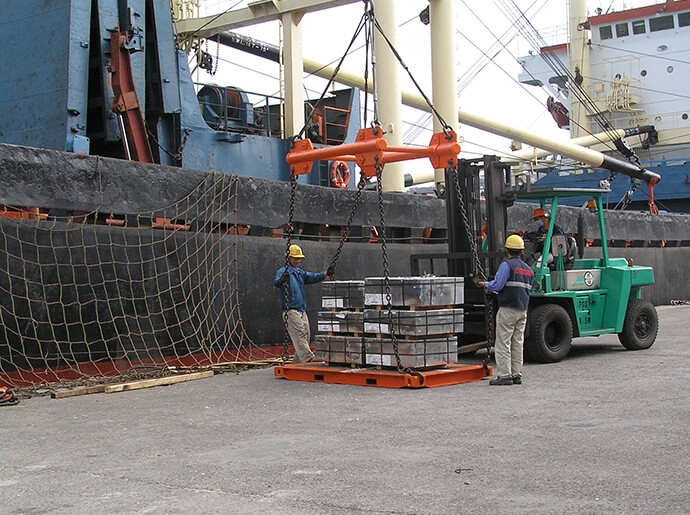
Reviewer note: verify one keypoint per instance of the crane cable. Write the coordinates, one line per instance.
(368, 23)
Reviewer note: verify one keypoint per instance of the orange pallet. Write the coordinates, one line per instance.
(320, 372)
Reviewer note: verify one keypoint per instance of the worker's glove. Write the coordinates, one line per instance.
(284, 278)
(330, 272)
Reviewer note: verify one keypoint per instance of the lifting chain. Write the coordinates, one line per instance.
(214, 67)
(386, 280)
(478, 269)
(177, 156)
(286, 287)
(346, 233)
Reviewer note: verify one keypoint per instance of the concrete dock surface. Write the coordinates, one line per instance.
(606, 431)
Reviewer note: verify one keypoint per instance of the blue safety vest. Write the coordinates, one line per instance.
(515, 294)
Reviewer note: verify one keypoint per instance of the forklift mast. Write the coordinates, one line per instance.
(477, 225)
(486, 207)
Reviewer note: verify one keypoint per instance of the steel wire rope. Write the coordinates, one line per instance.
(468, 76)
(515, 15)
(532, 35)
(214, 18)
(397, 55)
(350, 51)
(318, 103)
(491, 59)
(498, 41)
(506, 73)
(293, 186)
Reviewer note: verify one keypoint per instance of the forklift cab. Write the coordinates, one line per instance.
(590, 297)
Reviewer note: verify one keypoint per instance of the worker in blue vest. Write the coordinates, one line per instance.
(512, 283)
(293, 278)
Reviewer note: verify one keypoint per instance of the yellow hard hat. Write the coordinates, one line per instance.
(295, 252)
(514, 242)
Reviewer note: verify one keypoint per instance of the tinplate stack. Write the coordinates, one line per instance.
(360, 329)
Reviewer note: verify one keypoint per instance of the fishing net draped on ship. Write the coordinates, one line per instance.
(87, 294)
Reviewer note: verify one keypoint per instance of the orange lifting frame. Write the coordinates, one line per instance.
(370, 150)
(321, 372)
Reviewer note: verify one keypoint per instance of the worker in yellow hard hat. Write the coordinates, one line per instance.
(512, 283)
(291, 280)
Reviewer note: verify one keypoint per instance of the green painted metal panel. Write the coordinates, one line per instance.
(589, 311)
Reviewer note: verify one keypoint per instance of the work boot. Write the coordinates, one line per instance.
(517, 380)
(501, 381)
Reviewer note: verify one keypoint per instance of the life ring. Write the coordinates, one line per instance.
(340, 175)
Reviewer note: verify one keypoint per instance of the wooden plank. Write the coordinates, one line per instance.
(81, 390)
(148, 383)
(472, 347)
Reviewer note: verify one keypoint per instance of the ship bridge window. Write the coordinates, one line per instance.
(639, 27)
(622, 30)
(684, 19)
(661, 23)
(605, 32)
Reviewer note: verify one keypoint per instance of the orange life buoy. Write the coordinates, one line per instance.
(340, 175)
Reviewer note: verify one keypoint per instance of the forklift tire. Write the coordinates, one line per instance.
(641, 325)
(550, 334)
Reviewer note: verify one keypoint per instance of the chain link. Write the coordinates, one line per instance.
(346, 233)
(479, 269)
(386, 280)
(178, 155)
(286, 286)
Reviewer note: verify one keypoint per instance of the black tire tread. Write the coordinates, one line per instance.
(629, 336)
(535, 344)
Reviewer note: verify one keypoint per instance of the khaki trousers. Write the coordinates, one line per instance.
(510, 336)
(298, 329)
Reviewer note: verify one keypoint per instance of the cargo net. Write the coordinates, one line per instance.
(94, 297)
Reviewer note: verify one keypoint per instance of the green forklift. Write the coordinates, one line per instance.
(576, 297)
(571, 296)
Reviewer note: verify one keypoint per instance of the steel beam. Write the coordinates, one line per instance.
(255, 13)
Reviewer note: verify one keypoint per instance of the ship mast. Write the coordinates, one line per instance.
(578, 57)
(389, 90)
(443, 69)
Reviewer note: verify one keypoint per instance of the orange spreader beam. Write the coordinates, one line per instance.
(450, 374)
(370, 150)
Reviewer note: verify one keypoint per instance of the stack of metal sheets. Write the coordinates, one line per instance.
(427, 352)
(351, 322)
(342, 294)
(420, 336)
(427, 322)
(340, 349)
(414, 291)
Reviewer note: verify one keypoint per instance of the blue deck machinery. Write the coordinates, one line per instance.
(59, 93)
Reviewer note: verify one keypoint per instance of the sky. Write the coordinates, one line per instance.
(488, 46)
